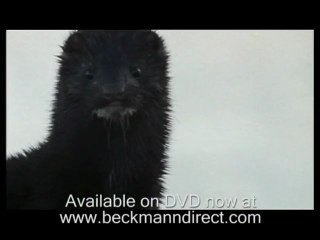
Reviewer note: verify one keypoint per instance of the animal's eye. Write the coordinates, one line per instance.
(135, 72)
(89, 74)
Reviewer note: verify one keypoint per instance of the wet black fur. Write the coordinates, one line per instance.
(85, 155)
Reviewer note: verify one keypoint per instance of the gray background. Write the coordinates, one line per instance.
(243, 110)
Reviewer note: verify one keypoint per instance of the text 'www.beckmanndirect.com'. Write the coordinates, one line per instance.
(189, 217)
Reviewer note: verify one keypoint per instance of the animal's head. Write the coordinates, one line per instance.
(112, 73)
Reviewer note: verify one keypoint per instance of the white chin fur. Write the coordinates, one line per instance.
(113, 112)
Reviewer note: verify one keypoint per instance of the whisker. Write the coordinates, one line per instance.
(109, 132)
(128, 122)
(123, 131)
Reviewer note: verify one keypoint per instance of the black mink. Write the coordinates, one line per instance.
(109, 125)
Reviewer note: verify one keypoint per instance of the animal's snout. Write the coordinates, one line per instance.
(113, 92)
(111, 95)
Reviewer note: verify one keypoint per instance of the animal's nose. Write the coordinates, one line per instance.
(113, 92)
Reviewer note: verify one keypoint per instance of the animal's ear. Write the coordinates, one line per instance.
(74, 42)
(152, 40)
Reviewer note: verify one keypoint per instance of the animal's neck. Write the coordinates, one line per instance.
(78, 134)
(87, 135)
(95, 148)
